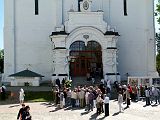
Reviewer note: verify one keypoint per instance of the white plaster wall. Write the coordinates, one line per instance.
(20, 81)
(8, 37)
(136, 44)
(60, 61)
(67, 5)
(33, 45)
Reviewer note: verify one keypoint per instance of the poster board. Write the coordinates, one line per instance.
(156, 82)
(144, 81)
(133, 81)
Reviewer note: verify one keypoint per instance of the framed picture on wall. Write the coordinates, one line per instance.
(145, 81)
(156, 82)
(133, 81)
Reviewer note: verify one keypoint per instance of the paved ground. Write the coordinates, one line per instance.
(46, 111)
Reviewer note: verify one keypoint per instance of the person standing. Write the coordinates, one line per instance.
(19, 116)
(90, 100)
(3, 92)
(21, 96)
(120, 101)
(61, 99)
(155, 94)
(99, 102)
(106, 105)
(81, 97)
(147, 94)
(57, 95)
(73, 98)
(68, 101)
(128, 97)
(86, 98)
(58, 83)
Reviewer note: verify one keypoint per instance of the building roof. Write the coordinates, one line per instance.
(26, 73)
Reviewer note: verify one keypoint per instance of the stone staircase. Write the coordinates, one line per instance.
(82, 81)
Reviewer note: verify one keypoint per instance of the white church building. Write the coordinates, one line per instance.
(59, 38)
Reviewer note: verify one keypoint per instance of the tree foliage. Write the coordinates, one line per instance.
(158, 38)
(1, 60)
(158, 50)
(158, 11)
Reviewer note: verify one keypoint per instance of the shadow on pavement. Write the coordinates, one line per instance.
(93, 117)
(56, 109)
(84, 113)
(47, 104)
(13, 106)
(155, 105)
(115, 113)
(102, 118)
(126, 107)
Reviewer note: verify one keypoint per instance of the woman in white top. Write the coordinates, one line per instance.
(21, 96)
(120, 101)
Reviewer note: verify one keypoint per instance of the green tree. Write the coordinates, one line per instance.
(158, 50)
(158, 11)
(1, 60)
(158, 38)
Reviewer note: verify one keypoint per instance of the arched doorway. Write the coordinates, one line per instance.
(86, 59)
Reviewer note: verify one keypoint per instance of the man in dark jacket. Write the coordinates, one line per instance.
(3, 92)
(58, 82)
(90, 99)
(19, 116)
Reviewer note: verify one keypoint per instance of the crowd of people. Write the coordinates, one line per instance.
(90, 97)
(82, 97)
(136, 93)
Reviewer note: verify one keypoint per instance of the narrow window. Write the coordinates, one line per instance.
(79, 5)
(125, 7)
(36, 7)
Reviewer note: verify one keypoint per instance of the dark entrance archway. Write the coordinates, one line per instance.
(86, 59)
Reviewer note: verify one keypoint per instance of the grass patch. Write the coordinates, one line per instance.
(39, 96)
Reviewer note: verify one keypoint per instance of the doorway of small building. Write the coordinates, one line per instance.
(86, 60)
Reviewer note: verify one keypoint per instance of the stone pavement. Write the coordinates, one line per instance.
(46, 111)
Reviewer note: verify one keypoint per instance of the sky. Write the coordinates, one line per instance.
(2, 22)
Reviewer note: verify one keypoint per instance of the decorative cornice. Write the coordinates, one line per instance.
(59, 33)
(59, 48)
(111, 48)
(112, 74)
(111, 33)
(62, 74)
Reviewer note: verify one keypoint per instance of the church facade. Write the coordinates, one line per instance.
(68, 38)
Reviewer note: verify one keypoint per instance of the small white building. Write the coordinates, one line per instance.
(25, 78)
(108, 38)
